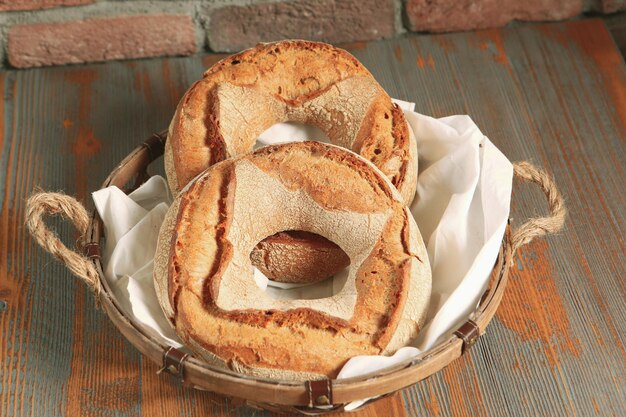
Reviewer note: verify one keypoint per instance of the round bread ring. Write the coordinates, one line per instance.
(204, 280)
(313, 83)
(240, 97)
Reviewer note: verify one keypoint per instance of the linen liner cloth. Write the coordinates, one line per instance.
(461, 207)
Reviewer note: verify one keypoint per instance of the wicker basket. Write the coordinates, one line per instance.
(309, 398)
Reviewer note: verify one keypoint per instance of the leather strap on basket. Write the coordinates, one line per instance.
(320, 392)
(92, 250)
(174, 363)
(469, 333)
(539, 226)
(154, 144)
(42, 204)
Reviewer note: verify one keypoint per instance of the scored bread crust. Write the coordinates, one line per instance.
(241, 96)
(201, 262)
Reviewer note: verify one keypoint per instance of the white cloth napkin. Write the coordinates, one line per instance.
(131, 226)
(461, 208)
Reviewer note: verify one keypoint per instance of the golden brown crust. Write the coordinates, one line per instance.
(314, 83)
(401, 135)
(300, 172)
(389, 260)
(294, 73)
(304, 340)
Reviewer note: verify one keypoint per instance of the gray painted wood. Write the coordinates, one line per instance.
(552, 94)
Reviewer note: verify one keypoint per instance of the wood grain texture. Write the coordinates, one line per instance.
(617, 26)
(553, 94)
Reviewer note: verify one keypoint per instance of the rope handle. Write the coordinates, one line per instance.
(539, 226)
(42, 204)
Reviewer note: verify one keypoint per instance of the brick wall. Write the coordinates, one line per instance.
(54, 32)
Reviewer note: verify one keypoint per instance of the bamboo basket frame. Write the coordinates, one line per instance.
(311, 397)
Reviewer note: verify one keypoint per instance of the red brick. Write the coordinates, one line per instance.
(6, 5)
(453, 15)
(610, 6)
(232, 28)
(95, 40)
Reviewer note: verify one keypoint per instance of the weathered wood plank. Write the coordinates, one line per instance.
(554, 94)
(617, 26)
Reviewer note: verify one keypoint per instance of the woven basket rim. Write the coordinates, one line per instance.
(270, 393)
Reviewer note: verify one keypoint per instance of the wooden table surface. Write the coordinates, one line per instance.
(552, 94)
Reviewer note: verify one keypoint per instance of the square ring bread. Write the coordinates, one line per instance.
(203, 273)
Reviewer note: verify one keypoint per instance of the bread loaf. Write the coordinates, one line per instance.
(203, 272)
